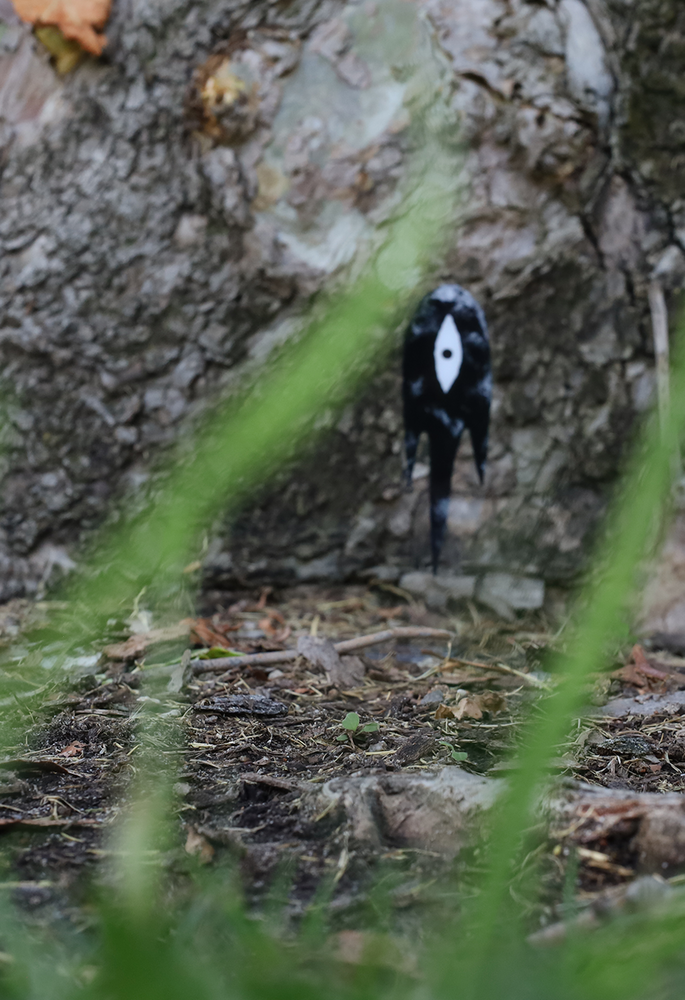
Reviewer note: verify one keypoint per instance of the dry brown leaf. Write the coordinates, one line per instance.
(80, 20)
(469, 708)
(137, 644)
(639, 671)
(493, 701)
(473, 706)
(74, 749)
(274, 625)
(199, 845)
(205, 632)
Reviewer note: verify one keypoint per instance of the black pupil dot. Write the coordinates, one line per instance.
(447, 354)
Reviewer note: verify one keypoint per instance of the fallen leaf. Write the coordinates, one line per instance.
(469, 708)
(473, 706)
(274, 625)
(80, 20)
(73, 750)
(198, 845)
(66, 53)
(136, 645)
(216, 653)
(639, 671)
(204, 632)
(637, 655)
(493, 701)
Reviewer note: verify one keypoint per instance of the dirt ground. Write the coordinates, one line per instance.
(338, 770)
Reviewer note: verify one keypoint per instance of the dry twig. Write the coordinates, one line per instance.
(346, 646)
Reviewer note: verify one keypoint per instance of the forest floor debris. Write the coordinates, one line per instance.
(338, 767)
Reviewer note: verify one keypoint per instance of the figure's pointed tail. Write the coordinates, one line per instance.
(443, 448)
(478, 424)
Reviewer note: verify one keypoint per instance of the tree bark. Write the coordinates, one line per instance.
(156, 246)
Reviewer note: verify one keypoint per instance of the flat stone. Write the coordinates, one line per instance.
(384, 573)
(506, 593)
(326, 568)
(434, 697)
(643, 705)
(421, 584)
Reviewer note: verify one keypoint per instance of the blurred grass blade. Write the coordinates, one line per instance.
(630, 531)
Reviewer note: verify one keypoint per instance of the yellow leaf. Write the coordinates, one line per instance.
(67, 54)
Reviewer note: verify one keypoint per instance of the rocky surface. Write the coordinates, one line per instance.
(161, 234)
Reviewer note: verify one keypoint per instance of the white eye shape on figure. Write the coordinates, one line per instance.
(448, 354)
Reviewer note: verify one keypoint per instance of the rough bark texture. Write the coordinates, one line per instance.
(153, 245)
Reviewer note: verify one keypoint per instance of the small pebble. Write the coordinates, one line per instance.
(434, 697)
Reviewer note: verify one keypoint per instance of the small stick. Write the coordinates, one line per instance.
(501, 667)
(346, 646)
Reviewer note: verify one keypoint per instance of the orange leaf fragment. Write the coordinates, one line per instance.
(639, 671)
(80, 20)
(205, 632)
(197, 844)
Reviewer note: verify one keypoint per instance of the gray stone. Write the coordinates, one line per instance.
(326, 568)
(505, 593)
(384, 573)
(433, 698)
(644, 705)
(426, 585)
(320, 652)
